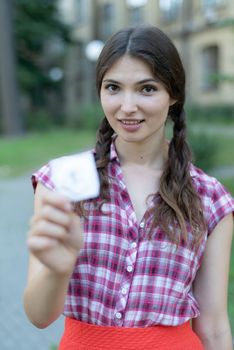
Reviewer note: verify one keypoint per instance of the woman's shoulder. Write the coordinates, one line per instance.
(217, 200)
(205, 182)
(42, 175)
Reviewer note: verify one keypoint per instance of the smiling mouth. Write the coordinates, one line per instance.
(131, 122)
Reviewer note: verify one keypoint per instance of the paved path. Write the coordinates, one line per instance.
(16, 332)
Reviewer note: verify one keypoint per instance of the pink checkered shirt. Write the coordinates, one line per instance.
(123, 279)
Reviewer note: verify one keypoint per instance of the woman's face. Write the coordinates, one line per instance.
(135, 103)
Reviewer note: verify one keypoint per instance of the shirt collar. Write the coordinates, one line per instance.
(113, 151)
(193, 171)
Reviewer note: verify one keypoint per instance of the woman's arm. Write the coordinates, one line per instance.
(211, 287)
(44, 295)
(54, 240)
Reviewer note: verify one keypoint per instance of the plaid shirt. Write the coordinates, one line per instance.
(122, 278)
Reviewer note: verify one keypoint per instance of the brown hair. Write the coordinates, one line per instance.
(177, 192)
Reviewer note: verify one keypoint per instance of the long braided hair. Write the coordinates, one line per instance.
(180, 204)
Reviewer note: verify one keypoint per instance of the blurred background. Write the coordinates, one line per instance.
(49, 107)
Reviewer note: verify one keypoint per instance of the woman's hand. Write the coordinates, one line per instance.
(56, 235)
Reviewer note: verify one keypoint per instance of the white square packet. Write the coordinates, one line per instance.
(76, 176)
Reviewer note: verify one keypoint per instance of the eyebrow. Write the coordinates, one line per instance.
(138, 83)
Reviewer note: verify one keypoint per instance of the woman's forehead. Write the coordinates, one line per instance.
(126, 66)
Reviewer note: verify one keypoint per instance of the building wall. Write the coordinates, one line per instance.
(225, 91)
(200, 32)
(195, 29)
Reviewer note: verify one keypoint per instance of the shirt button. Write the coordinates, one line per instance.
(124, 291)
(129, 268)
(133, 245)
(118, 315)
(142, 224)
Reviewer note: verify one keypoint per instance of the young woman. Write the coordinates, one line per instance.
(145, 265)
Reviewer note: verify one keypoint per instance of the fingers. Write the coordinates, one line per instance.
(36, 243)
(51, 221)
(56, 200)
(47, 228)
(44, 235)
(52, 214)
(54, 235)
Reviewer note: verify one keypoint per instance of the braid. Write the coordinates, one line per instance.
(179, 151)
(104, 139)
(177, 190)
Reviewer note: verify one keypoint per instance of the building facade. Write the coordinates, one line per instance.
(202, 30)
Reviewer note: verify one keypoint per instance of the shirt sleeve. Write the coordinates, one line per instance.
(222, 203)
(43, 175)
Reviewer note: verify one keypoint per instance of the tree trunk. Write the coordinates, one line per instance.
(12, 123)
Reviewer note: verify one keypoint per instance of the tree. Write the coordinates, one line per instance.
(11, 118)
(41, 38)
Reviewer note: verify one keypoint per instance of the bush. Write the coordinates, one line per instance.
(90, 117)
(217, 113)
(229, 184)
(40, 120)
(204, 149)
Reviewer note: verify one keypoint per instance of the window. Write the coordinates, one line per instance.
(135, 15)
(106, 21)
(210, 67)
(170, 9)
(80, 11)
(210, 9)
(209, 4)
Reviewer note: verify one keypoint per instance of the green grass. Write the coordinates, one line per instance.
(53, 347)
(24, 154)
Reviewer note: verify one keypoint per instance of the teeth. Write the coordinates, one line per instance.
(130, 122)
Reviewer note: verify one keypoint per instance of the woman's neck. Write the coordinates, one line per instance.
(150, 153)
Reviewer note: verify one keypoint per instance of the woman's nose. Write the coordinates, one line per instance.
(129, 104)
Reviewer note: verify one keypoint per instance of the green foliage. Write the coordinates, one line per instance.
(202, 144)
(229, 184)
(213, 113)
(90, 117)
(223, 78)
(204, 149)
(40, 40)
(53, 347)
(39, 120)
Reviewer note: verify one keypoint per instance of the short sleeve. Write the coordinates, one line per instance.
(43, 175)
(222, 203)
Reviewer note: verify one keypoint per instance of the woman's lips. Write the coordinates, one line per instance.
(130, 125)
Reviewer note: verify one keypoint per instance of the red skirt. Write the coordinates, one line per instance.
(83, 336)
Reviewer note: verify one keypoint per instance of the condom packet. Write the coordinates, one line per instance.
(76, 176)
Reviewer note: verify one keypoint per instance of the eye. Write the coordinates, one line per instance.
(148, 89)
(112, 88)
